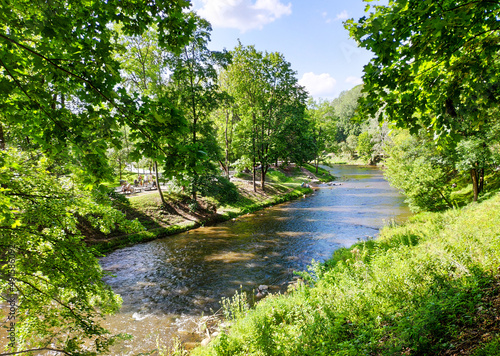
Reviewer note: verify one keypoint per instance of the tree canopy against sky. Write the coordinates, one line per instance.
(270, 103)
(435, 66)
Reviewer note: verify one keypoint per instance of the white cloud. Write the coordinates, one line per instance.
(243, 15)
(354, 80)
(325, 16)
(318, 84)
(342, 16)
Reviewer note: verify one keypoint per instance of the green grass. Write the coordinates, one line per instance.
(421, 288)
(279, 177)
(323, 174)
(463, 194)
(329, 161)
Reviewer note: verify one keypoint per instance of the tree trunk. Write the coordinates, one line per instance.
(254, 175)
(227, 144)
(195, 184)
(475, 185)
(262, 176)
(253, 149)
(158, 185)
(316, 164)
(2, 138)
(481, 181)
(225, 168)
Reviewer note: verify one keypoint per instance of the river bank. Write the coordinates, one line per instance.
(169, 286)
(430, 286)
(180, 216)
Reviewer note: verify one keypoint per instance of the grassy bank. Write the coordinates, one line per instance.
(342, 159)
(180, 214)
(323, 175)
(428, 287)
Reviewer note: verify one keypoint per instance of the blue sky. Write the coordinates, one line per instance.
(309, 33)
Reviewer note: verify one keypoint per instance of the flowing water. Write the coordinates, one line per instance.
(168, 284)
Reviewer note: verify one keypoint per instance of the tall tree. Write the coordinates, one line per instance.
(435, 66)
(147, 76)
(226, 120)
(51, 280)
(59, 76)
(194, 91)
(345, 107)
(323, 119)
(245, 85)
(267, 95)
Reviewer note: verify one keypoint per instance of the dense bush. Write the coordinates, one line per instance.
(420, 171)
(219, 188)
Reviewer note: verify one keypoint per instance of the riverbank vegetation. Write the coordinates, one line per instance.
(430, 286)
(97, 94)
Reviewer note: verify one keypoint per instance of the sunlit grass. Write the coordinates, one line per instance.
(423, 287)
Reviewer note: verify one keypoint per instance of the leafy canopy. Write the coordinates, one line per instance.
(435, 63)
(57, 281)
(58, 76)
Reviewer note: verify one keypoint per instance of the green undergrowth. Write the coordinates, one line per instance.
(427, 287)
(463, 194)
(330, 161)
(277, 199)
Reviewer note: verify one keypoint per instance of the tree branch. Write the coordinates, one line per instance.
(92, 86)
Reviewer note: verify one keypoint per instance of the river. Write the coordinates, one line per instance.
(168, 284)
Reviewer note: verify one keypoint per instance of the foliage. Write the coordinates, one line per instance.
(435, 67)
(278, 176)
(473, 153)
(418, 289)
(242, 164)
(416, 168)
(58, 75)
(270, 104)
(195, 91)
(220, 188)
(490, 349)
(176, 349)
(345, 107)
(322, 117)
(365, 145)
(236, 306)
(380, 137)
(59, 82)
(348, 148)
(323, 174)
(56, 280)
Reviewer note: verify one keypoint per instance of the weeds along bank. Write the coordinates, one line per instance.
(428, 287)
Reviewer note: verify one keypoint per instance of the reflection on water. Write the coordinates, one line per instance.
(167, 284)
